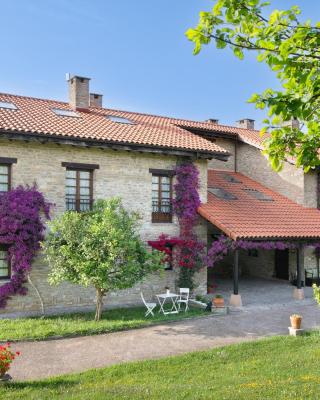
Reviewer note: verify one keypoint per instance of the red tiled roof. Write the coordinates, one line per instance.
(36, 116)
(249, 218)
(250, 136)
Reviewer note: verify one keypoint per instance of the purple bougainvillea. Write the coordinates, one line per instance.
(220, 247)
(21, 230)
(187, 200)
(188, 249)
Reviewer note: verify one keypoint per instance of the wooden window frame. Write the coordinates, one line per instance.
(77, 197)
(7, 162)
(6, 277)
(162, 217)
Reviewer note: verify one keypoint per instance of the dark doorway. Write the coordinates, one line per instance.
(282, 264)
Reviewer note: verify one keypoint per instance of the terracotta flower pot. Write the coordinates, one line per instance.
(218, 302)
(295, 321)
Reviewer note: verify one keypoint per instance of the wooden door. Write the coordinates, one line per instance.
(282, 264)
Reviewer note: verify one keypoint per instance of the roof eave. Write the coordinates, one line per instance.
(126, 146)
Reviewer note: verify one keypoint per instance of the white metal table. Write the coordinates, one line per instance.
(168, 297)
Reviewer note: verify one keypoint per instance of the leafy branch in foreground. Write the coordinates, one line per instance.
(290, 48)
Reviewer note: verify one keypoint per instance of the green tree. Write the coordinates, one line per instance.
(100, 248)
(292, 50)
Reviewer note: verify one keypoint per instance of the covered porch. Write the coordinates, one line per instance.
(270, 238)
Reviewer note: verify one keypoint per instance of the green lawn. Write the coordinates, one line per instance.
(284, 368)
(84, 324)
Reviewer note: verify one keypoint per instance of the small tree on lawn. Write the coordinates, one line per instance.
(100, 248)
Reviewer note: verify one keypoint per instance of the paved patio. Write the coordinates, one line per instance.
(257, 319)
(261, 293)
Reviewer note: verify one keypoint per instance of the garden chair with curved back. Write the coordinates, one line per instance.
(184, 298)
(150, 306)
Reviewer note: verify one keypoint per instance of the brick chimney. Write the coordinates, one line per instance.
(293, 123)
(95, 100)
(213, 121)
(246, 123)
(78, 92)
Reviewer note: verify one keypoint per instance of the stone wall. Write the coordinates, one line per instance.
(123, 174)
(229, 165)
(290, 182)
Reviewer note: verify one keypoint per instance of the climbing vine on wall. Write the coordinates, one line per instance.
(220, 247)
(22, 211)
(188, 249)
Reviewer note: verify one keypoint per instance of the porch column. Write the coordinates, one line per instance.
(236, 272)
(235, 298)
(298, 292)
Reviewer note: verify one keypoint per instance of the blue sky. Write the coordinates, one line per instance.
(134, 51)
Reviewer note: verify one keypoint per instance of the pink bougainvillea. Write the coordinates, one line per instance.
(21, 231)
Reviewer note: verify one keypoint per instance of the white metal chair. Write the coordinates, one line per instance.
(150, 306)
(184, 298)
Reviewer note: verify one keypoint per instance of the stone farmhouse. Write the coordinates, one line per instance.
(78, 151)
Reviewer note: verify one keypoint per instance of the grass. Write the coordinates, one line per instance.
(81, 324)
(281, 368)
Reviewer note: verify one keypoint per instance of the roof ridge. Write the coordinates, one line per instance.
(33, 98)
(210, 124)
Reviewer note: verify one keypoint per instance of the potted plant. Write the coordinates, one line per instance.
(167, 289)
(6, 358)
(295, 320)
(218, 301)
(210, 289)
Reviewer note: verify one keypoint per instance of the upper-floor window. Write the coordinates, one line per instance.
(4, 177)
(78, 190)
(161, 196)
(79, 186)
(5, 173)
(4, 263)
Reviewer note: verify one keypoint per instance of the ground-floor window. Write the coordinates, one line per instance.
(4, 263)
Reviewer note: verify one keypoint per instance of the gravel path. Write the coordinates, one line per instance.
(56, 357)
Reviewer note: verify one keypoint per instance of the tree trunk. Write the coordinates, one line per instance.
(99, 303)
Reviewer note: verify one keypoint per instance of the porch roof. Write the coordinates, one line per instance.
(244, 209)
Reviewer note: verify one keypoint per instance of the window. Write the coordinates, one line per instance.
(7, 106)
(119, 120)
(231, 178)
(5, 172)
(258, 195)
(65, 113)
(221, 193)
(161, 198)
(4, 263)
(79, 189)
(168, 264)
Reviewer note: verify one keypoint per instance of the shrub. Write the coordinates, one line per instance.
(6, 358)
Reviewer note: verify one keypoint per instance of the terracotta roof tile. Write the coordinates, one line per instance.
(36, 116)
(250, 218)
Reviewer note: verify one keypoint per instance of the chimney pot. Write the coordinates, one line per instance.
(246, 123)
(95, 100)
(213, 121)
(293, 123)
(78, 92)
